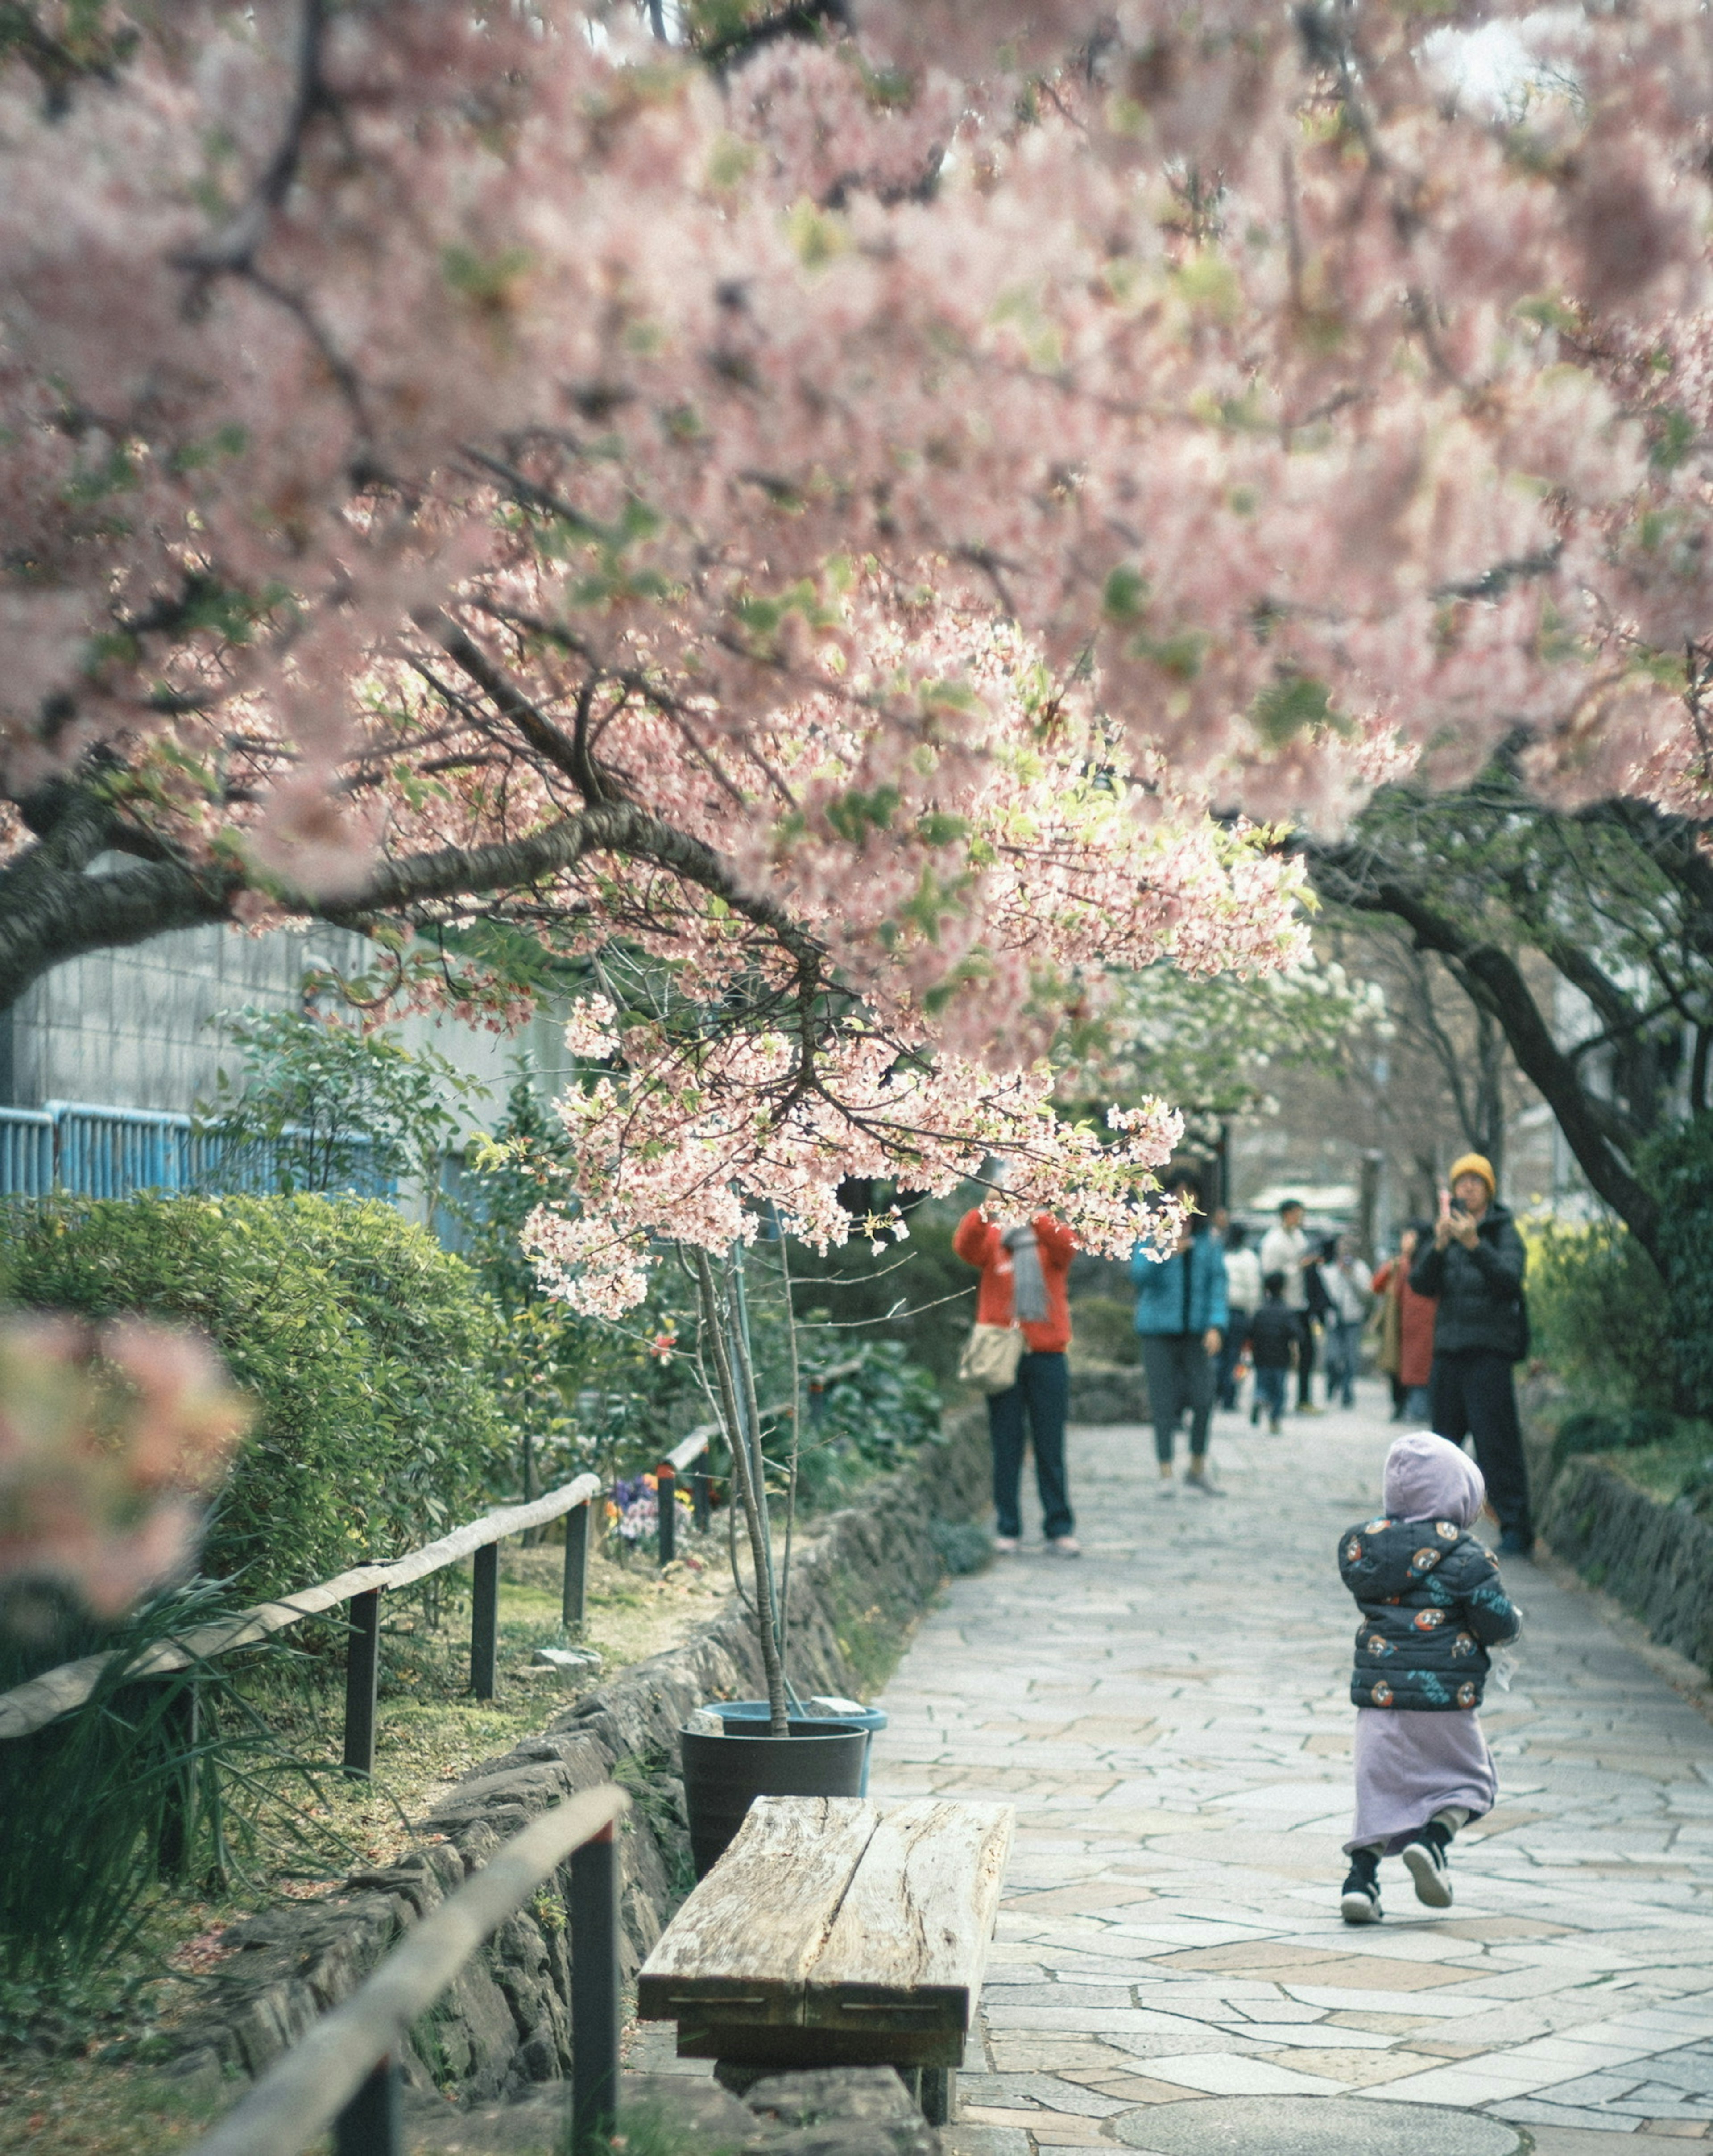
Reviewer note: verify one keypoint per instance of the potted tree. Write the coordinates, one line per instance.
(726, 1768)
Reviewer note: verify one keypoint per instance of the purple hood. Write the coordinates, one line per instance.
(1429, 1478)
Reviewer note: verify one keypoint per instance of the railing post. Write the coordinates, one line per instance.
(666, 1506)
(594, 1987)
(362, 1670)
(484, 1621)
(180, 1715)
(370, 2124)
(698, 1490)
(579, 1528)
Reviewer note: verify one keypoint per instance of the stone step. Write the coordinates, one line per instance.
(838, 2111)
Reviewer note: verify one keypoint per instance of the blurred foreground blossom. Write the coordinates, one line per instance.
(112, 1437)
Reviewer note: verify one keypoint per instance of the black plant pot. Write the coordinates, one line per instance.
(724, 1775)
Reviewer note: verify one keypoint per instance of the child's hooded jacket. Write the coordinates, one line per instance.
(1431, 1596)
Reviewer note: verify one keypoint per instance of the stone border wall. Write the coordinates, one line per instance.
(857, 1587)
(1656, 1560)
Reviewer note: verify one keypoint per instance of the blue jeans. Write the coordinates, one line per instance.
(1270, 1393)
(1042, 1387)
(1344, 1348)
(1417, 1408)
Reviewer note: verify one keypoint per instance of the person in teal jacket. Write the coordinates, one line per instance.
(1182, 1314)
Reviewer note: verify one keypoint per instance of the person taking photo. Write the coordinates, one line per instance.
(1475, 1267)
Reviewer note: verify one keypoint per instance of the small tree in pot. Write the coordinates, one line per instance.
(727, 1350)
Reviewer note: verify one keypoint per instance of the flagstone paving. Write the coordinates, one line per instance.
(1170, 1717)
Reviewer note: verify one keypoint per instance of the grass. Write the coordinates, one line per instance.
(95, 2088)
(1660, 1470)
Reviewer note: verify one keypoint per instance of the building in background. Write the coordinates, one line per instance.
(141, 1035)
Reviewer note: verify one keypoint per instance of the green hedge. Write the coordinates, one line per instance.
(1597, 1315)
(365, 1346)
(1678, 1168)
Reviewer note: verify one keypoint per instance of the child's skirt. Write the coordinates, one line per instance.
(1410, 1763)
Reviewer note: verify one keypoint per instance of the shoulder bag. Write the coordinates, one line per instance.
(990, 1358)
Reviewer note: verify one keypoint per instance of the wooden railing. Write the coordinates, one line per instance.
(31, 1706)
(343, 2073)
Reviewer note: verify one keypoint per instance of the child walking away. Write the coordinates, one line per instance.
(1274, 1331)
(1432, 1603)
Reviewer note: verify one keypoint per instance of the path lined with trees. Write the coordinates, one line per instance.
(1172, 1718)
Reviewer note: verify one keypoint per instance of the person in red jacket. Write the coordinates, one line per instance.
(1415, 1328)
(1024, 1263)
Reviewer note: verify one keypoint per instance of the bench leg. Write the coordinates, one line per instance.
(939, 2095)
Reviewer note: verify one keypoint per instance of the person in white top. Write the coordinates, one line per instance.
(1345, 1284)
(1287, 1249)
(1243, 1291)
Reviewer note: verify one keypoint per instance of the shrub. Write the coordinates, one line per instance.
(366, 1347)
(324, 1106)
(1678, 1168)
(1104, 1330)
(863, 1423)
(1597, 1315)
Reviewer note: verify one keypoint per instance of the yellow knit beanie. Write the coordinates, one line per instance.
(1475, 1163)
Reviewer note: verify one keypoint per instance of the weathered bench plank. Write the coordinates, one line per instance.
(836, 1931)
(910, 1937)
(746, 1940)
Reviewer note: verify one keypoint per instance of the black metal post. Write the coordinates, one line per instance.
(699, 1491)
(362, 1668)
(484, 1621)
(579, 1527)
(370, 2124)
(594, 1987)
(181, 1718)
(666, 1504)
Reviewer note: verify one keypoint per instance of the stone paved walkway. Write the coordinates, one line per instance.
(1170, 1717)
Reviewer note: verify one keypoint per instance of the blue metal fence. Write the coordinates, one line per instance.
(26, 1153)
(97, 1151)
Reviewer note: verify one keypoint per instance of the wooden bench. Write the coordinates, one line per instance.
(836, 1931)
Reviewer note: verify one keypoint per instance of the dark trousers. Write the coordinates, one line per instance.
(1271, 1379)
(1305, 1356)
(1230, 1348)
(1472, 1395)
(1043, 1387)
(1180, 1374)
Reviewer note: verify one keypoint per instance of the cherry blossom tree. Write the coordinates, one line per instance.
(801, 525)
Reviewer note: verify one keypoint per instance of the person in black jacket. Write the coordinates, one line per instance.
(1475, 1267)
(1271, 1336)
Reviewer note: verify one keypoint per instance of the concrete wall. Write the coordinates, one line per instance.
(143, 1027)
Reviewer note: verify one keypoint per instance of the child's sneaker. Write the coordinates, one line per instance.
(1424, 1857)
(1359, 1900)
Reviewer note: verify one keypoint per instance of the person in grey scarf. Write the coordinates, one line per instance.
(1023, 1263)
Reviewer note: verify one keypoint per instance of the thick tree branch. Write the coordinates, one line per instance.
(1349, 877)
(59, 914)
